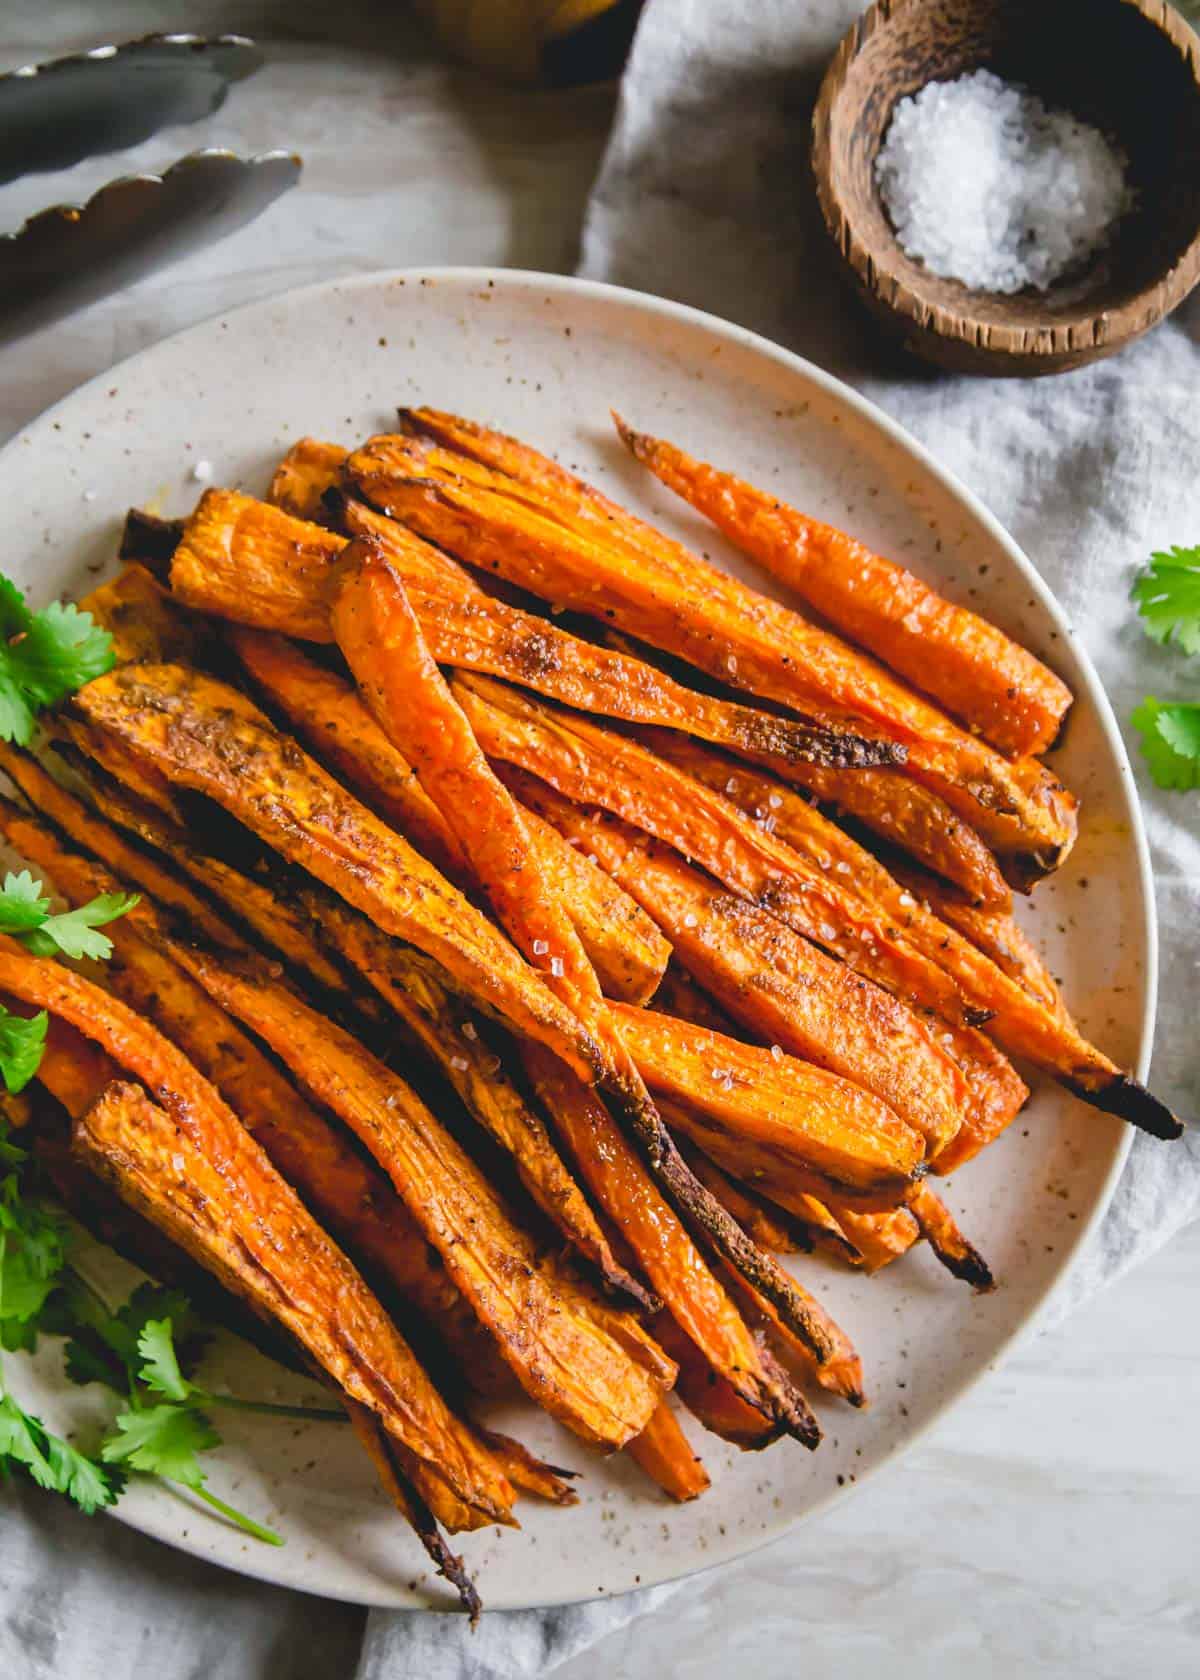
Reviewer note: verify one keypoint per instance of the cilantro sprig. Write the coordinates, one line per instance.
(44, 656)
(145, 1351)
(1167, 593)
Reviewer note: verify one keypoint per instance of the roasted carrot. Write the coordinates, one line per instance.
(904, 814)
(773, 1112)
(234, 547)
(306, 1281)
(590, 1366)
(1009, 1012)
(378, 1447)
(626, 1192)
(771, 1228)
(206, 1200)
(881, 931)
(148, 971)
(879, 1238)
(142, 618)
(309, 468)
(994, 932)
(663, 1451)
(283, 564)
(625, 947)
(382, 641)
(124, 858)
(781, 987)
(711, 1398)
(941, 1231)
(448, 1033)
(842, 1372)
(278, 924)
(675, 601)
(207, 736)
(983, 677)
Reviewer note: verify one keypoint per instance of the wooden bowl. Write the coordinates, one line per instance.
(1130, 67)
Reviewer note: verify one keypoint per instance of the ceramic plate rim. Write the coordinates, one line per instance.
(265, 1567)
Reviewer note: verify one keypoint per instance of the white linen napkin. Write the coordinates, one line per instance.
(704, 197)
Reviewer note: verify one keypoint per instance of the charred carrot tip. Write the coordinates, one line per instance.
(1129, 1100)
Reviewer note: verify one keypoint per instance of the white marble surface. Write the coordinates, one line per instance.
(1050, 1527)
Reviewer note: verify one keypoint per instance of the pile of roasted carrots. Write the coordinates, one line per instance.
(541, 931)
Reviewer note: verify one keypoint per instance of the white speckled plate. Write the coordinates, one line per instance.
(545, 357)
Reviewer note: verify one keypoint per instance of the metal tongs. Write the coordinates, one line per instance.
(56, 114)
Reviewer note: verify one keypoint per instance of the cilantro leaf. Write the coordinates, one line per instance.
(21, 1045)
(21, 1438)
(1168, 596)
(44, 656)
(160, 1368)
(73, 931)
(1170, 742)
(33, 1246)
(162, 1441)
(89, 1484)
(22, 905)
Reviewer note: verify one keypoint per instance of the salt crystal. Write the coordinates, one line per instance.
(202, 472)
(690, 919)
(843, 868)
(459, 1064)
(985, 184)
(556, 967)
(470, 1030)
(731, 785)
(827, 930)
(777, 1052)
(540, 947)
(775, 801)
(731, 665)
(907, 900)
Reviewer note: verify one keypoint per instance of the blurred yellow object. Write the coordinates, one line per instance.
(509, 37)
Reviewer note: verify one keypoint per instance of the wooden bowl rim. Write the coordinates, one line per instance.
(1053, 342)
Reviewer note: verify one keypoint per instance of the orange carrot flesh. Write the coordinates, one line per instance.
(989, 681)
(307, 471)
(689, 608)
(769, 1227)
(624, 1189)
(588, 1365)
(906, 815)
(625, 948)
(381, 1371)
(784, 989)
(205, 735)
(124, 858)
(774, 1107)
(710, 1397)
(382, 641)
(664, 1452)
(941, 1231)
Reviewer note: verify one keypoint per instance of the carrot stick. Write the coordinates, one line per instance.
(591, 1367)
(207, 736)
(382, 642)
(663, 1451)
(671, 599)
(626, 1192)
(771, 1112)
(778, 985)
(978, 673)
(306, 472)
(625, 947)
(261, 1207)
(893, 942)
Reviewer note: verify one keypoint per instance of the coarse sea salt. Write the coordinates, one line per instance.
(987, 185)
